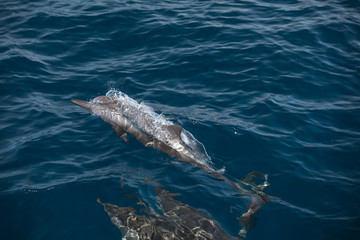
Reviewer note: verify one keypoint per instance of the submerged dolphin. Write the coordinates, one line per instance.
(178, 221)
(126, 115)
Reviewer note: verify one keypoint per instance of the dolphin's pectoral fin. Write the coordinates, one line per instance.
(175, 129)
(121, 133)
(144, 139)
(124, 137)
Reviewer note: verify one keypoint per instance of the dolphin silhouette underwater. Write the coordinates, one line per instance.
(127, 116)
(177, 221)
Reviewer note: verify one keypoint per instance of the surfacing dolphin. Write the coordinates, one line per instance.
(127, 116)
(178, 221)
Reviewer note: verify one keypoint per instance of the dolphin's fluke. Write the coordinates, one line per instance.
(81, 103)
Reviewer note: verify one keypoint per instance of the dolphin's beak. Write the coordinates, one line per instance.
(81, 103)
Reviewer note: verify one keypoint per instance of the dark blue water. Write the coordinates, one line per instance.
(267, 86)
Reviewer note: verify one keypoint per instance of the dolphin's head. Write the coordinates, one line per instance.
(98, 105)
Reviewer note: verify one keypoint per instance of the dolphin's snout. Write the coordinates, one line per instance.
(81, 103)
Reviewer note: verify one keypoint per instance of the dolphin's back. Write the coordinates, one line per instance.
(159, 127)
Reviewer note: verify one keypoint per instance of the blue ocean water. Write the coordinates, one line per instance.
(266, 86)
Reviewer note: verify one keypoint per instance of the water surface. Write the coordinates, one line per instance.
(267, 86)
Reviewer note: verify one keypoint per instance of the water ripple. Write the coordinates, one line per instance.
(268, 86)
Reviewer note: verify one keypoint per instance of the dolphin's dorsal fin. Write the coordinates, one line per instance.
(175, 129)
(120, 132)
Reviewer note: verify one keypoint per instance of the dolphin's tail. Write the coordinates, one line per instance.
(81, 103)
(258, 182)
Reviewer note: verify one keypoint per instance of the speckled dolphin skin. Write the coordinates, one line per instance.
(178, 221)
(127, 116)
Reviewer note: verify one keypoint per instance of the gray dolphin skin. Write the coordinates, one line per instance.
(178, 221)
(127, 116)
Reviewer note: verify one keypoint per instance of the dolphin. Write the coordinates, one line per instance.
(178, 221)
(127, 116)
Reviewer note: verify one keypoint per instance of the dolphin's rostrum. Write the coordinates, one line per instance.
(127, 116)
